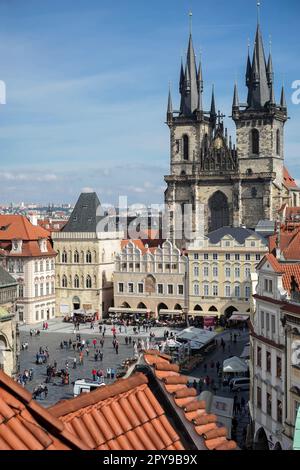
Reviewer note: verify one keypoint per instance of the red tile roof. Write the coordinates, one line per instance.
(215, 437)
(25, 425)
(288, 270)
(18, 227)
(289, 181)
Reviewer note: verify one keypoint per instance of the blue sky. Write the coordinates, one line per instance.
(87, 84)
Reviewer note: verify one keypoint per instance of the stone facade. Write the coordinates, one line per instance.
(150, 281)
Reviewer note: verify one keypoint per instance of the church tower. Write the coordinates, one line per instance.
(203, 163)
(260, 139)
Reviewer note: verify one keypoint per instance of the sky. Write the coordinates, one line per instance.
(87, 84)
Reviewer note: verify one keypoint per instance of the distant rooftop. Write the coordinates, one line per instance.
(240, 234)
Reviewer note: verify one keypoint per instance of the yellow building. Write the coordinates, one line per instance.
(220, 268)
(85, 260)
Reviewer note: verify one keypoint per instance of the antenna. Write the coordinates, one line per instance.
(191, 21)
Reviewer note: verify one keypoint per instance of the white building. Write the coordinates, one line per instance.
(30, 259)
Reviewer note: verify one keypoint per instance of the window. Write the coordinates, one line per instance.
(41, 266)
(258, 397)
(228, 257)
(258, 359)
(76, 257)
(247, 292)
(268, 361)
(215, 271)
(120, 287)
(180, 289)
(130, 287)
(205, 256)
(196, 271)
(279, 411)
(52, 288)
(196, 289)
(237, 291)
(21, 291)
(64, 257)
(278, 149)
(258, 257)
(88, 282)
(278, 367)
(215, 290)
(262, 320)
(269, 286)
(227, 243)
(227, 291)
(20, 266)
(196, 256)
(269, 404)
(186, 150)
(206, 289)
(47, 265)
(11, 266)
(170, 289)
(52, 264)
(247, 272)
(76, 282)
(215, 256)
(89, 257)
(36, 290)
(227, 272)
(41, 290)
(141, 288)
(255, 141)
(248, 257)
(37, 316)
(160, 288)
(205, 271)
(267, 322)
(47, 288)
(64, 281)
(237, 272)
(273, 324)
(36, 267)
(237, 257)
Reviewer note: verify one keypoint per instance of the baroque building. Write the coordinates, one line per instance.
(225, 184)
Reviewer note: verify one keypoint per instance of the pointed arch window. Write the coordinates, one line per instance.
(76, 257)
(88, 282)
(64, 281)
(76, 282)
(64, 257)
(186, 147)
(89, 257)
(255, 141)
(278, 146)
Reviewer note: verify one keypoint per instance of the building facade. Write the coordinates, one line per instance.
(9, 336)
(220, 268)
(30, 258)
(225, 184)
(150, 281)
(85, 260)
(274, 367)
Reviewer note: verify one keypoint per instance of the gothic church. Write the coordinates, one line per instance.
(237, 185)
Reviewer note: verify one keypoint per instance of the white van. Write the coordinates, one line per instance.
(85, 386)
(240, 384)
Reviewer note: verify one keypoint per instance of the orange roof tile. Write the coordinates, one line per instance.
(18, 227)
(288, 270)
(206, 425)
(123, 416)
(25, 425)
(289, 181)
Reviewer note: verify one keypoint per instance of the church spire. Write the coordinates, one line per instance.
(189, 93)
(182, 78)
(270, 72)
(213, 113)
(283, 104)
(236, 102)
(259, 92)
(170, 105)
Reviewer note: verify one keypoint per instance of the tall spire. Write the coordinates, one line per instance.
(283, 104)
(213, 113)
(259, 94)
(189, 94)
(200, 77)
(236, 102)
(170, 105)
(182, 78)
(270, 72)
(249, 68)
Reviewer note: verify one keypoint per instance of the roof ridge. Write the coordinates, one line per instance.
(103, 393)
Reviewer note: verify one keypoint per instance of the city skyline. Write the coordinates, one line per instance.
(91, 112)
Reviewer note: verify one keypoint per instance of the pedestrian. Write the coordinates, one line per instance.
(94, 343)
(87, 352)
(108, 372)
(94, 374)
(126, 340)
(100, 329)
(74, 363)
(96, 356)
(81, 359)
(101, 356)
(207, 381)
(129, 339)
(117, 347)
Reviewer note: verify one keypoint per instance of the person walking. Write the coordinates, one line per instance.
(94, 374)
(81, 359)
(94, 343)
(101, 356)
(117, 347)
(74, 363)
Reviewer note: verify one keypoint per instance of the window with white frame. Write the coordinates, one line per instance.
(247, 257)
(41, 290)
(262, 320)
(196, 289)
(215, 290)
(237, 257)
(215, 256)
(41, 266)
(196, 271)
(267, 321)
(121, 287)
(228, 272)
(47, 288)
(130, 288)
(160, 289)
(247, 292)
(215, 271)
(273, 324)
(227, 291)
(36, 267)
(205, 271)
(237, 272)
(170, 289)
(268, 286)
(140, 288)
(258, 257)
(196, 256)
(247, 272)
(180, 289)
(206, 290)
(237, 291)
(228, 256)
(205, 256)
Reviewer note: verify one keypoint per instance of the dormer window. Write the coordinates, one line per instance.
(43, 245)
(17, 246)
